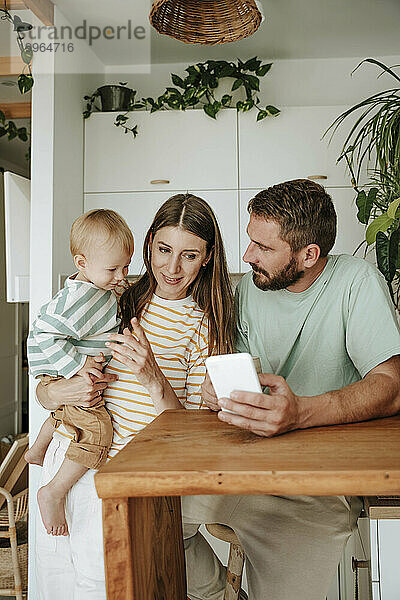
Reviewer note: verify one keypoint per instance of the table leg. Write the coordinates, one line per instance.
(143, 549)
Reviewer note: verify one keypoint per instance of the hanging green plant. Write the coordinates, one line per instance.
(114, 98)
(373, 143)
(25, 79)
(9, 128)
(198, 88)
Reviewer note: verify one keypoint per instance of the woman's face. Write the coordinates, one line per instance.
(176, 259)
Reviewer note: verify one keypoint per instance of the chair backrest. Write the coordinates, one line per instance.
(13, 465)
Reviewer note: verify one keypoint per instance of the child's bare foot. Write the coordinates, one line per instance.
(34, 458)
(51, 507)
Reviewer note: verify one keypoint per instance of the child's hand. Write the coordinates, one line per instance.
(93, 367)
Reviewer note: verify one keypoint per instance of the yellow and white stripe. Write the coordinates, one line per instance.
(178, 333)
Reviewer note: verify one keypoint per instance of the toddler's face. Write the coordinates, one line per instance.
(106, 267)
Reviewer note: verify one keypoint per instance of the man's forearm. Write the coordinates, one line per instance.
(377, 395)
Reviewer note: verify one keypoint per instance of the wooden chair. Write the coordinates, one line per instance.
(11, 470)
(234, 570)
(13, 466)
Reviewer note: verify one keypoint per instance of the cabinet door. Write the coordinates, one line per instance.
(139, 208)
(389, 543)
(350, 232)
(289, 146)
(179, 150)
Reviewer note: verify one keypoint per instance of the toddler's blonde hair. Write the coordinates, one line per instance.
(99, 226)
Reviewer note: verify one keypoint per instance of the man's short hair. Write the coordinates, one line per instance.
(304, 211)
(100, 227)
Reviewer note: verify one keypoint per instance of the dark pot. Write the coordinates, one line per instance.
(115, 97)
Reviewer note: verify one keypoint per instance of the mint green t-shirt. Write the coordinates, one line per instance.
(326, 337)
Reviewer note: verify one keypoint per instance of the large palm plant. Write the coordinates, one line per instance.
(373, 143)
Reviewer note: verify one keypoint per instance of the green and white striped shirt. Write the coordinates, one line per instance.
(73, 325)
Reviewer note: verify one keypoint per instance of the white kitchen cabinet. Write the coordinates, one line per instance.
(377, 542)
(350, 232)
(179, 150)
(139, 208)
(289, 146)
(388, 558)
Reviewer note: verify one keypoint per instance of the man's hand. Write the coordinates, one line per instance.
(208, 394)
(263, 414)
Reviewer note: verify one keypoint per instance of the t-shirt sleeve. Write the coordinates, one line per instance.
(372, 333)
(241, 341)
(49, 347)
(196, 368)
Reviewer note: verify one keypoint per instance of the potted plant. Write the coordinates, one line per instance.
(114, 98)
(374, 142)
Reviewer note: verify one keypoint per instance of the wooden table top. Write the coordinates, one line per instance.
(187, 452)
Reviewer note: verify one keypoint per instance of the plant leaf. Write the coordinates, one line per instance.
(394, 243)
(12, 133)
(254, 82)
(261, 115)
(209, 109)
(392, 208)
(382, 254)
(381, 223)
(236, 84)
(25, 83)
(364, 204)
(252, 64)
(272, 110)
(226, 99)
(23, 134)
(263, 70)
(176, 80)
(2, 117)
(27, 55)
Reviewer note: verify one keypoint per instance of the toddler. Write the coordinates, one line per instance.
(66, 336)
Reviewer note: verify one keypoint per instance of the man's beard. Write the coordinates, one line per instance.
(287, 276)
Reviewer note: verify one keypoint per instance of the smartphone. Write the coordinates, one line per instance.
(229, 372)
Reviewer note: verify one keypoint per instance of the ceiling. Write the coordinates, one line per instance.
(292, 29)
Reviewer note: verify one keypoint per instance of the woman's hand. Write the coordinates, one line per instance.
(76, 391)
(134, 351)
(208, 394)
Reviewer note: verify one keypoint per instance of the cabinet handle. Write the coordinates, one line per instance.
(316, 177)
(155, 181)
(355, 565)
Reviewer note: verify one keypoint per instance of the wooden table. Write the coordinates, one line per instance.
(191, 452)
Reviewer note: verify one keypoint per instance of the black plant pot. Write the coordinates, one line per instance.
(115, 97)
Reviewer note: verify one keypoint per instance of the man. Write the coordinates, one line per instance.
(326, 333)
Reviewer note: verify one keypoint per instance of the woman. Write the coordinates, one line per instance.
(176, 314)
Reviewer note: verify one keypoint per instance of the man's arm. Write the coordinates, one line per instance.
(376, 395)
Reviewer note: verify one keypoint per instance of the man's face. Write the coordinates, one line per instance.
(274, 265)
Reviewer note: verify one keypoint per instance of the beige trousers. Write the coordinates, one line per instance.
(292, 544)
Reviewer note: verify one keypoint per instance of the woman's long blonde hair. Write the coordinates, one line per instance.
(211, 289)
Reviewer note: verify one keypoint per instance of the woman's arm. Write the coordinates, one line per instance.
(135, 352)
(76, 391)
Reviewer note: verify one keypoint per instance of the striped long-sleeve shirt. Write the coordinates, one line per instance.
(73, 325)
(178, 333)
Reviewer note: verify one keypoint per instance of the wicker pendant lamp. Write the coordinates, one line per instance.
(206, 21)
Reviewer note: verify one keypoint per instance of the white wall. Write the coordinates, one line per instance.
(57, 193)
